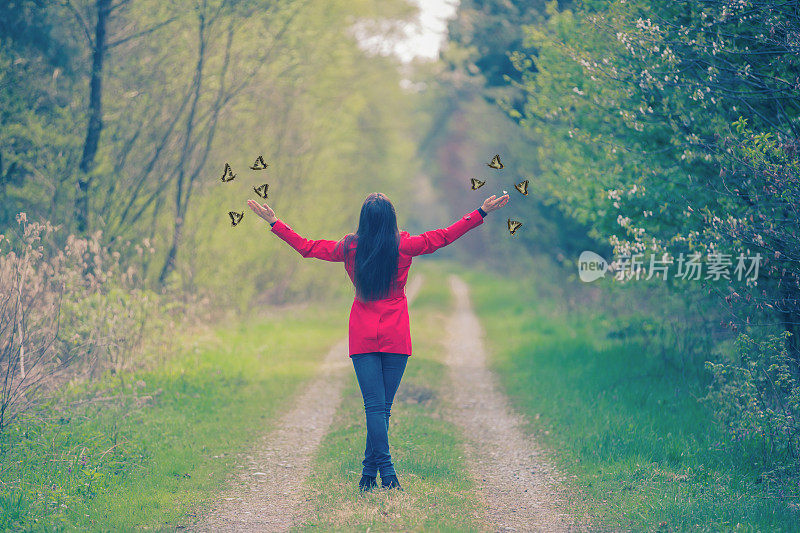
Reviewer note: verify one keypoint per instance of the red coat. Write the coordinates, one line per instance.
(380, 325)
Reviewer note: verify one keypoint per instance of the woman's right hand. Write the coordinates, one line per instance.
(265, 211)
(492, 203)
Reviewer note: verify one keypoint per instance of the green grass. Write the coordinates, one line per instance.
(164, 446)
(426, 450)
(629, 431)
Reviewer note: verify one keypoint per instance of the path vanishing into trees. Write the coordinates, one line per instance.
(519, 489)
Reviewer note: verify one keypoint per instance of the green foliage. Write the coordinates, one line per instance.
(670, 127)
(330, 141)
(758, 395)
(38, 145)
(283, 79)
(489, 31)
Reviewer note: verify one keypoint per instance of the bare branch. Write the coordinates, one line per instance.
(81, 20)
(141, 33)
(119, 4)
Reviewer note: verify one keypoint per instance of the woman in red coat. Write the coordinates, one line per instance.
(377, 258)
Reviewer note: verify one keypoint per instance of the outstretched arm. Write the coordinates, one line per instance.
(430, 241)
(324, 249)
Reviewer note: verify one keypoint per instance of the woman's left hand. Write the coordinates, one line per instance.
(264, 211)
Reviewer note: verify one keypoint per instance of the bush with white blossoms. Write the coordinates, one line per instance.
(692, 106)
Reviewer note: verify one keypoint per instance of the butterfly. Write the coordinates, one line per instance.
(513, 225)
(235, 217)
(259, 164)
(227, 174)
(495, 163)
(476, 183)
(522, 187)
(262, 190)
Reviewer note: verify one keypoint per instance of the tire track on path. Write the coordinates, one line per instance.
(266, 494)
(519, 489)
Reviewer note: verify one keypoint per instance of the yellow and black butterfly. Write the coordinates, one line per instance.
(476, 183)
(259, 164)
(495, 163)
(227, 174)
(522, 187)
(262, 190)
(513, 225)
(235, 217)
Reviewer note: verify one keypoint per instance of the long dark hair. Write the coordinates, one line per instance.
(377, 254)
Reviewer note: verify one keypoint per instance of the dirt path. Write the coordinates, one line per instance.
(520, 491)
(266, 495)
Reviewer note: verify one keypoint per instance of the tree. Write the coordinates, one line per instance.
(99, 46)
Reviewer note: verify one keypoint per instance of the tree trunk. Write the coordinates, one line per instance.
(183, 194)
(95, 124)
(169, 263)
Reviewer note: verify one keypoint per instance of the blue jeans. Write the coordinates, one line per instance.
(378, 376)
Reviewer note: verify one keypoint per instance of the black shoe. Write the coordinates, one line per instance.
(367, 483)
(390, 482)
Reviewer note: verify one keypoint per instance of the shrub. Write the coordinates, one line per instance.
(758, 396)
(76, 308)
